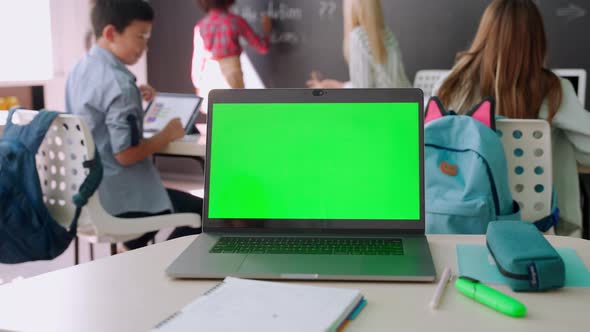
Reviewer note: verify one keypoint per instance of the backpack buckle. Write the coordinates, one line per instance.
(89, 163)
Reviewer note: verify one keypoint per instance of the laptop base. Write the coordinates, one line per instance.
(197, 262)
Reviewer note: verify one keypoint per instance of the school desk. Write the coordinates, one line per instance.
(130, 292)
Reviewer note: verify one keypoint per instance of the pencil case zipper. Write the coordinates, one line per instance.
(504, 271)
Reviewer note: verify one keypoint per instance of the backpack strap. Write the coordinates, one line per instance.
(10, 114)
(545, 223)
(87, 188)
(32, 134)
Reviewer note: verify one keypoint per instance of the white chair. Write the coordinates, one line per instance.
(578, 79)
(67, 144)
(527, 146)
(427, 78)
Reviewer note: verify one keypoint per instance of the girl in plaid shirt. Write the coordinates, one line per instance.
(216, 55)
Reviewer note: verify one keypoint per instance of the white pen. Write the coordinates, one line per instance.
(440, 288)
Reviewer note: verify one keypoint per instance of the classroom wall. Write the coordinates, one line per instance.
(23, 94)
(69, 20)
(65, 19)
(308, 35)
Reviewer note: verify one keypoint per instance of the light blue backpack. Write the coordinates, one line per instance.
(466, 171)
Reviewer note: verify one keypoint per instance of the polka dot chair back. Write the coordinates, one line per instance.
(527, 145)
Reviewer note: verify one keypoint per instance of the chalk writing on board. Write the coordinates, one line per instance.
(283, 12)
(285, 18)
(248, 13)
(327, 8)
(277, 11)
(572, 12)
(285, 37)
(280, 13)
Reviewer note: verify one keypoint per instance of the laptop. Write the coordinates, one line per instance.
(167, 106)
(312, 184)
(578, 79)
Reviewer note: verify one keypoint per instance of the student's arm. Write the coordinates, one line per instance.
(359, 66)
(316, 82)
(122, 122)
(574, 120)
(147, 147)
(259, 44)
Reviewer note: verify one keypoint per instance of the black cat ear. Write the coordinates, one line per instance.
(434, 110)
(485, 112)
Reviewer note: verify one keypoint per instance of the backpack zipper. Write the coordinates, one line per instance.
(490, 177)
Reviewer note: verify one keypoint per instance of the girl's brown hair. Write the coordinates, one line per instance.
(506, 61)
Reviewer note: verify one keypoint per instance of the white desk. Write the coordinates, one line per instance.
(129, 292)
(194, 148)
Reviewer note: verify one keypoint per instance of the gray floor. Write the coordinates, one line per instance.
(189, 178)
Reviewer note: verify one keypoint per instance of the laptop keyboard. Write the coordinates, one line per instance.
(308, 246)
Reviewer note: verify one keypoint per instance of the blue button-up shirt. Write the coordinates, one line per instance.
(104, 93)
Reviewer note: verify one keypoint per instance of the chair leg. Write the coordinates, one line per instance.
(113, 249)
(76, 251)
(585, 193)
(91, 249)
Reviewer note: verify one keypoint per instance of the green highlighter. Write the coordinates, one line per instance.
(492, 298)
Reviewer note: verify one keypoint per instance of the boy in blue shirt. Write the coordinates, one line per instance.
(104, 93)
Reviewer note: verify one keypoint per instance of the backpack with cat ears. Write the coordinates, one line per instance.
(483, 112)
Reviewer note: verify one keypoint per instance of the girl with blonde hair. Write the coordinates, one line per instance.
(370, 49)
(507, 61)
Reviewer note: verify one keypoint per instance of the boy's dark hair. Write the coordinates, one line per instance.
(207, 5)
(119, 13)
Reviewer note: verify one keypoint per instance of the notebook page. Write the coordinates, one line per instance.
(249, 305)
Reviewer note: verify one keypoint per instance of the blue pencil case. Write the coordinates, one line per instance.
(524, 257)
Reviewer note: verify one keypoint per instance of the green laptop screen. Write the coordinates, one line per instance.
(315, 161)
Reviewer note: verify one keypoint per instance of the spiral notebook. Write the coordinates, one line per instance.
(251, 305)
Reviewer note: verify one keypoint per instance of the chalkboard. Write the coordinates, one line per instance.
(307, 36)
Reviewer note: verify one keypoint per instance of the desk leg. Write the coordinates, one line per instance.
(585, 202)
(91, 249)
(76, 250)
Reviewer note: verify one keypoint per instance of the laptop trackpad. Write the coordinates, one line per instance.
(301, 264)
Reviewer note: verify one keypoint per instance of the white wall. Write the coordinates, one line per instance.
(27, 54)
(70, 20)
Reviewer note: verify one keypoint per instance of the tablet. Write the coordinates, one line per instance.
(167, 106)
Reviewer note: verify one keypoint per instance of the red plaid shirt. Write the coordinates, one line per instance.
(221, 30)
